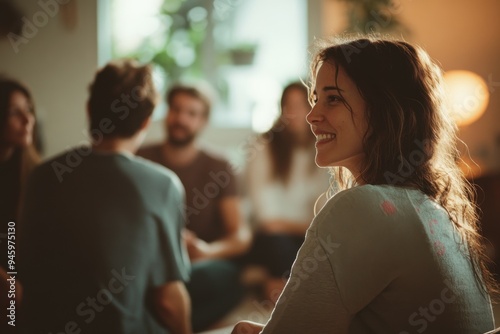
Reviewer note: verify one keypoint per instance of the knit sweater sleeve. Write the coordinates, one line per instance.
(340, 268)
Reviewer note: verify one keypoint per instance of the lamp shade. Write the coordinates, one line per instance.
(467, 94)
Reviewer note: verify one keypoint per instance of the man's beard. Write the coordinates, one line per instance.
(180, 141)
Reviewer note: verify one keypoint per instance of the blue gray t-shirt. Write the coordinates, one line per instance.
(380, 260)
(100, 232)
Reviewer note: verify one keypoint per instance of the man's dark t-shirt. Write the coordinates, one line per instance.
(97, 240)
(207, 180)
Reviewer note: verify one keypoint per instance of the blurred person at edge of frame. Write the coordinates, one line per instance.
(102, 250)
(18, 157)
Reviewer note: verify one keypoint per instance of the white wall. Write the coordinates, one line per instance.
(57, 64)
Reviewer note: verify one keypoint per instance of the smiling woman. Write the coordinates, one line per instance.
(404, 229)
(338, 119)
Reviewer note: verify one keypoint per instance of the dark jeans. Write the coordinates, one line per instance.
(275, 252)
(214, 289)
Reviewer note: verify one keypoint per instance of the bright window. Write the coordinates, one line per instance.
(246, 50)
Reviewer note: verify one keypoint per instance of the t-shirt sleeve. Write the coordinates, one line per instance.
(173, 254)
(369, 256)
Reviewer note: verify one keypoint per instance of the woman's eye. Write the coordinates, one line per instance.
(334, 98)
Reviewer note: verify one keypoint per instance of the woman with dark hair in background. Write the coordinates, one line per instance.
(283, 185)
(396, 249)
(18, 157)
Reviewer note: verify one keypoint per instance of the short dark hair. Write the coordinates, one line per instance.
(122, 94)
(191, 91)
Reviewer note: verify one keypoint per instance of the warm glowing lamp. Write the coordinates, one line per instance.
(468, 96)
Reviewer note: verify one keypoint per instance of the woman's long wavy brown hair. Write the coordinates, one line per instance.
(411, 140)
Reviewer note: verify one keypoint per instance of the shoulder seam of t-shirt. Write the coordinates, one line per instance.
(363, 189)
(154, 166)
(336, 198)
